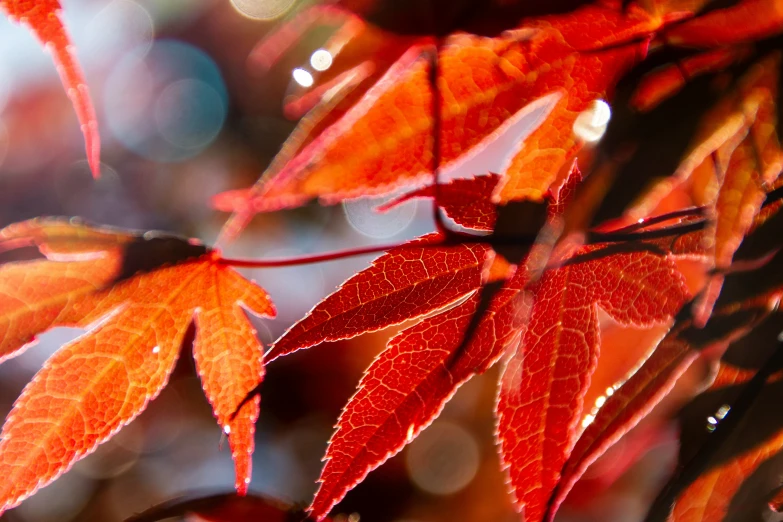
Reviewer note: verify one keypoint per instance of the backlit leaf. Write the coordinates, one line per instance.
(406, 387)
(466, 201)
(635, 398)
(541, 395)
(406, 282)
(138, 295)
(710, 488)
(486, 85)
(45, 20)
(710, 496)
(747, 20)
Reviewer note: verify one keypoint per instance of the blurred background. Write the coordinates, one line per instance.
(185, 112)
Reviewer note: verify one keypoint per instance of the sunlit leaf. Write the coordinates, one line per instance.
(137, 295)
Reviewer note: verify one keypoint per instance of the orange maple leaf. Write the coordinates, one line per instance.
(137, 295)
(710, 496)
(752, 161)
(728, 87)
(635, 398)
(385, 140)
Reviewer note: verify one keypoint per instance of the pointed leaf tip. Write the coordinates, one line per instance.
(405, 283)
(44, 18)
(542, 391)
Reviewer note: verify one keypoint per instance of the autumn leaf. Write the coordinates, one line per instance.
(753, 164)
(633, 401)
(635, 398)
(710, 497)
(361, 55)
(739, 200)
(406, 282)
(745, 300)
(665, 81)
(738, 22)
(467, 201)
(699, 492)
(136, 295)
(693, 115)
(406, 387)
(486, 85)
(543, 384)
(645, 156)
(44, 17)
(736, 147)
(542, 388)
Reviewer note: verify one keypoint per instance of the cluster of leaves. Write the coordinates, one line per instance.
(696, 101)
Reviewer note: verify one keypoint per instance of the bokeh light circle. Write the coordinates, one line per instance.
(590, 125)
(302, 77)
(443, 459)
(166, 104)
(179, 123)
(262, 9)
(119, 25)
(321, 60)
(363, 217)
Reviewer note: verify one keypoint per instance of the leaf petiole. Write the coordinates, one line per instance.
(319, 258)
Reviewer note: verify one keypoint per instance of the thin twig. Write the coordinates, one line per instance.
(440, 226)
(319, 258)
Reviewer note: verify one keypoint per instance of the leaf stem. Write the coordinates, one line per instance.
(635, 232)
(620, 236)
(648, 222)
(319, 258)
(436, 136)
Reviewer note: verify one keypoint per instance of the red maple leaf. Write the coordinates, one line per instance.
(406, 387)
(467, 201)
(543, 384)
(44, 19)
(407, 282)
